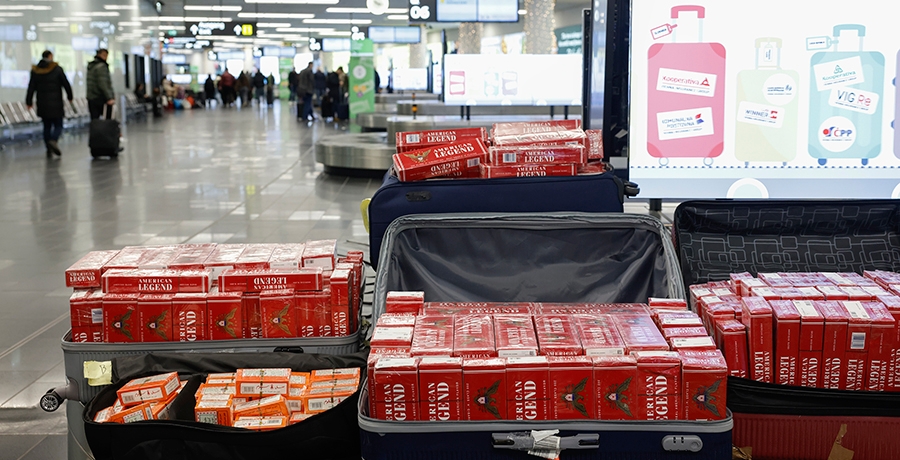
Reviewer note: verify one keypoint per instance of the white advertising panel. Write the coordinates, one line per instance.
(522, 79)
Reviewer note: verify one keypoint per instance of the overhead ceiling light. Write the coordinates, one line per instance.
(295, 2)
(336, 34)
(24, 8)
(338, 21)
(95, 14)
(261, 25)
(182, 19)
(11, 15)
(171, 27)
(120, 7)
(276, 15)
(130, 24)
(212, 8)
(398, 17)
(303, 29)
(345, 10)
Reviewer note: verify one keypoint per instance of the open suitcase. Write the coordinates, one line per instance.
(562, 257)
(588, 193)
(716, 238)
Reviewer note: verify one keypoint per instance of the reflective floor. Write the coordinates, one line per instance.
(196, 176)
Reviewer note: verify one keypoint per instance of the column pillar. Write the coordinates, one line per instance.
(470, 34)
(418, 53)
(539, 25)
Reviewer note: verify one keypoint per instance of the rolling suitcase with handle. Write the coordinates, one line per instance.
(845, 103)
(104, 135)
(686, 114)
(557, 257)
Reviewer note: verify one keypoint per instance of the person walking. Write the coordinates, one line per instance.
(48, 80)
(270, 89)
(293, 78)
(226, 87)
(332, 94)
(305, 89)
(209, 87)
(321, 85)
(99, 89)
(259, 83)
(244, 86)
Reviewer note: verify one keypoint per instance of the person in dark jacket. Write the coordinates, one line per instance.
(259, 82)
(305, 89)
(293, 79)
(321, 85)
(209, 87)
(243, 86)
(49, 80)
(99, 85)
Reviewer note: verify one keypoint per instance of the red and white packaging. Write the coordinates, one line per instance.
(567, 309)
(832, 292)
(571, 393)
(881, 346)
(557, 336)
(527, 170)
(697, 292)
(192, 256)
(775, 280)
(693, 343)
(255, 257)
(812, 331)
(594, 143)
(85, 308)
(86, 272)
(667, 304)
(503, 129)
(223, 257)
(189, 317)
(392, 337)
(810, 293)
(82, 334)
(432, 336)
(732, 341)
(396, 389)
(745, 286)
(678, 319)
(340, 301)
(484, 389)
(625, 309)
(704, 379)
(417, 140)
(640, 333)
(527, 388)
(404, 302)
(659, 385)
(158, 257)
(225, 315)
(286, 256)
(892, 303)
(242, 280)
(766, 293)
(319, 254)
(857, 293)
(252, 316)
(155, 315)
(683, 332)
(834, 344)
(439, 161)
(396, 319)
(473, 337)
(756, 314)
(599, 336)
(537, 134)
(787, 342)
(515, 336)
(537, 154)
(440, 389)
(616, 387)
(120, 318)
(858, 338)
(278, 314)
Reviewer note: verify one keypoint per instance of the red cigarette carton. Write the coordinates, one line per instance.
(255, 257)
(158, 257)
(883, 327)
(640, 333)
(432, 336)
(527, 170)
(857, 293)
(189, 317)
(659, 385)
(693, 343)
(474, 337)
(396, 393)
(704, 377)
(599, 336)
(84, 308)
(225, 313)
(628, 309)
(616, 388)
(245, 280)
(515, 336)
(744, 287)
(392, 337)
(832, 292)
(681, 319)
(834, 344)
(557, 336)
(775, 280)
(340, 302)
(223, 257)
(556, 136)
(396, 319)
(572, 394)
(527, 388)
(484, 393)
(733, 343)
(536, 154)
(286, 256)
(594, 143)
(811, 368)
(439, 161)
(120, 318)
(404, 302)
(87, 334)
(127, 258)
(756, 314)
(667, 304)
(683, 332)
(810, 293)
(192, 256)
(418, 140)
(155, 313)
(766, 293)
(697, 292)
(252, 316)
(787, 346)
(812, 326)
(566, 309)
(86, 272)
(440, 389)
(503, 129)
(279, 316)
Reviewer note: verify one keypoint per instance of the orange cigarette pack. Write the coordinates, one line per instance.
(156, 388)
(269, 406)
(322, 399)
(335, 374)
(262, 382)
(261, 423)
(214, 410)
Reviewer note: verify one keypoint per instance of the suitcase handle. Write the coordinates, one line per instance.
(701, 11)
(763, 40)
(766, 59)
(859, 28)
(525, 441)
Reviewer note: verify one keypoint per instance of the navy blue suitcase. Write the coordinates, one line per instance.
(587, 193)
(553, 257)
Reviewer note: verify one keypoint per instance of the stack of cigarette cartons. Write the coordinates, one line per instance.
(527, 149)
(818, 330)
(268, 399)
(543, 361)
(192, 292)
(147, 398)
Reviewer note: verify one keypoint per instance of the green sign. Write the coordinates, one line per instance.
(568, 40)
(362, 77)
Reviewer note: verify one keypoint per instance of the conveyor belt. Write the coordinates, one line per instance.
(363, 152)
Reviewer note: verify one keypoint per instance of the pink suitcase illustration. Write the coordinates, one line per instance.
(686, 97)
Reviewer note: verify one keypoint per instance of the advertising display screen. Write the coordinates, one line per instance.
(174, 59)
(477, 11)
(382, 34)
(335, 44)
(497, 79)
(783, 109)
(410, 79)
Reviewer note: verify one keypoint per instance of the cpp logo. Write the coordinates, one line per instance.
(834, 131)
(837, 134)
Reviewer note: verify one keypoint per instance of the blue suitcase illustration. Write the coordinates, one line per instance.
(846, 92)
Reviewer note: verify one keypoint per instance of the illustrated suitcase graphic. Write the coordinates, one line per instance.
(845, 103)
(767, 108)
(567, 257)
(686, 97)
(897, 108)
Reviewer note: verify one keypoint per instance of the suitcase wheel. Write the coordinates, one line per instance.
(664, 162)
(822, 161)
(865, 161)
(708, 161)
(51, 401)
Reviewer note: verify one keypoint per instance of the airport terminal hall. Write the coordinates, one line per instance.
(455, 229)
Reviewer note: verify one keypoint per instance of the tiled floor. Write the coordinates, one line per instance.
(195, 176)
